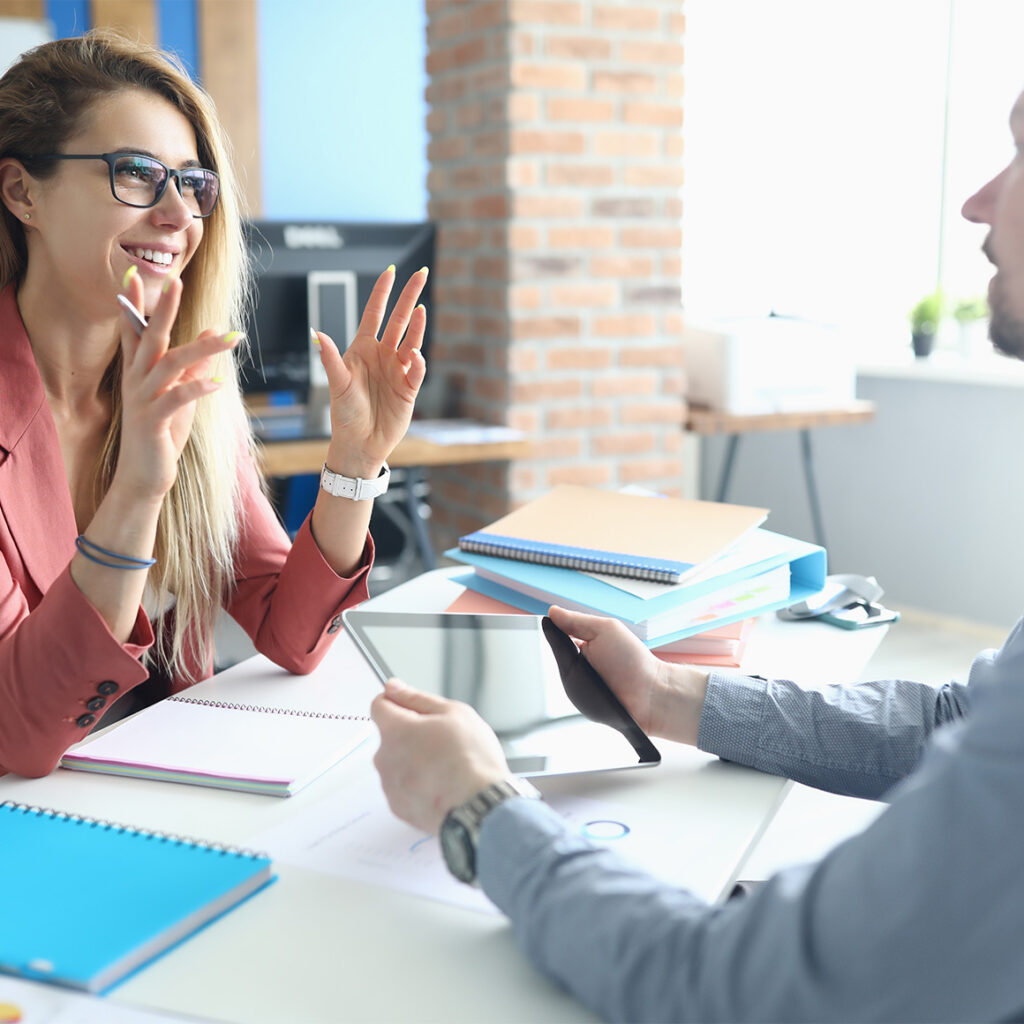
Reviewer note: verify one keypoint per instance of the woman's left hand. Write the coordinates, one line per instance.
(373, 386)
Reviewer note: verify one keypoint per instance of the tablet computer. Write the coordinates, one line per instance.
(552, 712)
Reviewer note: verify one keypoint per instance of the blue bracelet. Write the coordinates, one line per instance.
(88, 549)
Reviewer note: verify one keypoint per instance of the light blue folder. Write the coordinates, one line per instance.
(83, 903)
(807, 564)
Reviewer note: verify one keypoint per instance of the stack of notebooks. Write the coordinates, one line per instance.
(672, 570)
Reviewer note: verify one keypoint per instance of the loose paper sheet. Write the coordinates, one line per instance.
(354, 835)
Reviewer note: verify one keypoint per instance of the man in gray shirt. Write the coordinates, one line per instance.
(920, 917)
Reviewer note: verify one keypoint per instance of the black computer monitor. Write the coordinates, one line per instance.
(319, 274)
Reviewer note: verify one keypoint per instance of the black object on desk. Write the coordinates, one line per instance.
(399, 518)
(319, 274)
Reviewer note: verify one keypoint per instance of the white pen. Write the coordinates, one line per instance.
(137, 319)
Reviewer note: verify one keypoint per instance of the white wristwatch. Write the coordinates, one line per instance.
(354, 487)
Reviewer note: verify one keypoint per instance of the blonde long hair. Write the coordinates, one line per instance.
(44, 97)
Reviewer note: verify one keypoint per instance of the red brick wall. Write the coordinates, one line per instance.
(556, 165)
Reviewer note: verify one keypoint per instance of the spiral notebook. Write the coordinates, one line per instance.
(639, 536)
(254, 728)
(84, 902)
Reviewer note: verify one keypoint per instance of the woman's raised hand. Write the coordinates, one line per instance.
(160, 386)
(374, 385)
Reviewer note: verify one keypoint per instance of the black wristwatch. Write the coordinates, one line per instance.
(460, 831)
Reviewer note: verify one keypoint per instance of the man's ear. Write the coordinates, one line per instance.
(16, 188)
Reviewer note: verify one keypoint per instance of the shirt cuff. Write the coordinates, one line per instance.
(732, 718)
(511, 836)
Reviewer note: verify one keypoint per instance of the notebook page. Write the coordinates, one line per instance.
(177, 736)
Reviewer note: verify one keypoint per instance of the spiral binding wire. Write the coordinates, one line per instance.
(606, 564)
(164, 837)
(296, 712)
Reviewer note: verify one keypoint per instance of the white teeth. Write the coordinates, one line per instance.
(154, 256)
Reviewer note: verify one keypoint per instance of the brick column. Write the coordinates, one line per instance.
(556, 165)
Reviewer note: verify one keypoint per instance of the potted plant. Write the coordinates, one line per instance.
(970, 315)
(924, 322)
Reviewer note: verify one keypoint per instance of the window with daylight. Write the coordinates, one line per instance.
(829, 148)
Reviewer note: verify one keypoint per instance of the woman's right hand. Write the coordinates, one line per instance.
(665, 699)
(160, 387)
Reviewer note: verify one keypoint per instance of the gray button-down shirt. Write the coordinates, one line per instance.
(920, 917)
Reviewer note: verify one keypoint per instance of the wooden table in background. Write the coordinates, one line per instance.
(703, 421)
(290, 458)
(297, 455)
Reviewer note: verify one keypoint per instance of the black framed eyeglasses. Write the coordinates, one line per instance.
(139, 180)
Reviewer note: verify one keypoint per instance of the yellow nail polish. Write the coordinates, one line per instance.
(314, 337)
(424, 271)
(128, 275)
(390, 269)
(232, 337)
(217, 380)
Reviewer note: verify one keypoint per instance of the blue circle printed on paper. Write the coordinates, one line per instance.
(605, 829)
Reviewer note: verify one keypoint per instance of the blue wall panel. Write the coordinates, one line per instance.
(175, 25)
(343, 128)
(177, 31)
(69, 17)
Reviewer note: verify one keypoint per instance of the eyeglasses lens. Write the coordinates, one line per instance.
(140, 181)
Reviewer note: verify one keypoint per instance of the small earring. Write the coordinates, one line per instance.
(28, 216)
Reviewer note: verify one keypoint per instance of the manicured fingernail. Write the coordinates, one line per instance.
(167, 284)
(232, 337)
(128, 275)
(314, 337)
(390, 269)
(424, 271)
(421, 306)
(217, 380)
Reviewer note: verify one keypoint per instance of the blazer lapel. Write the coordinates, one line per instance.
(34, 496)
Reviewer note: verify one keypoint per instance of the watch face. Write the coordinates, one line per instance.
(457, 847)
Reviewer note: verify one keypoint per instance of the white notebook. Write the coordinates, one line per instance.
(254, 728)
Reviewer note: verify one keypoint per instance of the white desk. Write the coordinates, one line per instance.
(315, 948)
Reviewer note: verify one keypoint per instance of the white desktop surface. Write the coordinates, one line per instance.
(316, 948)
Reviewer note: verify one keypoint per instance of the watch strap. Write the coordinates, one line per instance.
(468, 817)
(476, 808)
(354, 487)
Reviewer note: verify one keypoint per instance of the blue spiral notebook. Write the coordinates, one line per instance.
(84, 903)
(642, 537)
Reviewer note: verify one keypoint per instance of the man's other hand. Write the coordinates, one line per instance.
(665, 699)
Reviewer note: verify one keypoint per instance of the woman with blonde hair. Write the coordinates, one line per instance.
(131, 508)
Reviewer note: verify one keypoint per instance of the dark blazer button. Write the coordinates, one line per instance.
(335, 624)
(107, 688)
(96, 703)
(85, 720)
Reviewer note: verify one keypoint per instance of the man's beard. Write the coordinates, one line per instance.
(1005, 330)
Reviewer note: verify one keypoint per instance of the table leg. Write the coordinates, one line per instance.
(421, 534)
(812, 487)
(730, 455)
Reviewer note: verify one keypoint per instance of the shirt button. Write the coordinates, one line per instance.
(107, 688)
(335, 624)
(84, 721)
(96, 703)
